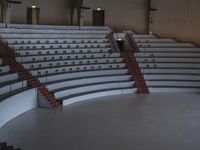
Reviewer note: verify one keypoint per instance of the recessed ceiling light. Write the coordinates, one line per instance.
(98, 8)
(33, 6)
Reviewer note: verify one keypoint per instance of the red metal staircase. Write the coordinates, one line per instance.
(24, 74)
(131, 62)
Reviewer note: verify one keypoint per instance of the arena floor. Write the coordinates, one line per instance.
(127, 122)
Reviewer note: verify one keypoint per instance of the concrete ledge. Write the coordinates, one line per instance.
(17, 105)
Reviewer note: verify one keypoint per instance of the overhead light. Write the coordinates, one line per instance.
(98, 9)
(119, 39)
(33, 6)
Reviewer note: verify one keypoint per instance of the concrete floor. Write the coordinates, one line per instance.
(127, 122)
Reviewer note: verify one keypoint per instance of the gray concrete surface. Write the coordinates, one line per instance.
(127, 122)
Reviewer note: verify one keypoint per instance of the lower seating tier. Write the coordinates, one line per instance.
(69, 92)
(96, 94)
(57, 86)
(77, 75)
(12, 88)
(80, 68)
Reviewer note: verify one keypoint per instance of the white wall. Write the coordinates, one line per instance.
(178, 18)
(17, 105)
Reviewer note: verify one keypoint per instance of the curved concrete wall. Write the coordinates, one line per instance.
(17, 105)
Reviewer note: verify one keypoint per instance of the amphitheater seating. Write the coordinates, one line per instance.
(168, 66)
(73, 64)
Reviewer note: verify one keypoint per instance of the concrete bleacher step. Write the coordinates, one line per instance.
(35, 52)
(173, 90)
(170, 65)
(92, 87)
(168, 45)
(64, 57)
(71, 76)
(56, 70)
(166, 55)
(96, 94)
(72, 92)
(52, 36)
(144, 36)
(55, 41)
(155, 41)
(171, 77)
(61, 63)
(87, 80)
(170, 50)
(59, 46)
(178, 84)
(171, 71)
(168, 60)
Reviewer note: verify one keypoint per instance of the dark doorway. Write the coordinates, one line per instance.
(33, 15)
(98, 17)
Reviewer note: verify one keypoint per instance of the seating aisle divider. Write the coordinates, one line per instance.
(131, 62)
(25, 74)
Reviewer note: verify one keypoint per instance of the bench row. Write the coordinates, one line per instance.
(58, 46)
(80, 68)
(59, 63)
(54, 41)
(52, 36)
(61, 51)
(50, 31)
(66, 57)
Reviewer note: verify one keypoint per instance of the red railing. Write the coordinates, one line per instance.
(132, 43)
(113, 43)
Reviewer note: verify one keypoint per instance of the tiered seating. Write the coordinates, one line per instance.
(73, 64)
(173, 67)
(4, 146)
(9, 82)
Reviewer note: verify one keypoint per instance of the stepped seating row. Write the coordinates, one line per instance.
(52, 36)
(172, 45)
(171, 50)
(43, 58)
(60, 51)
(54, 41)
(58, 46)
(155, 40)
(169, 66)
